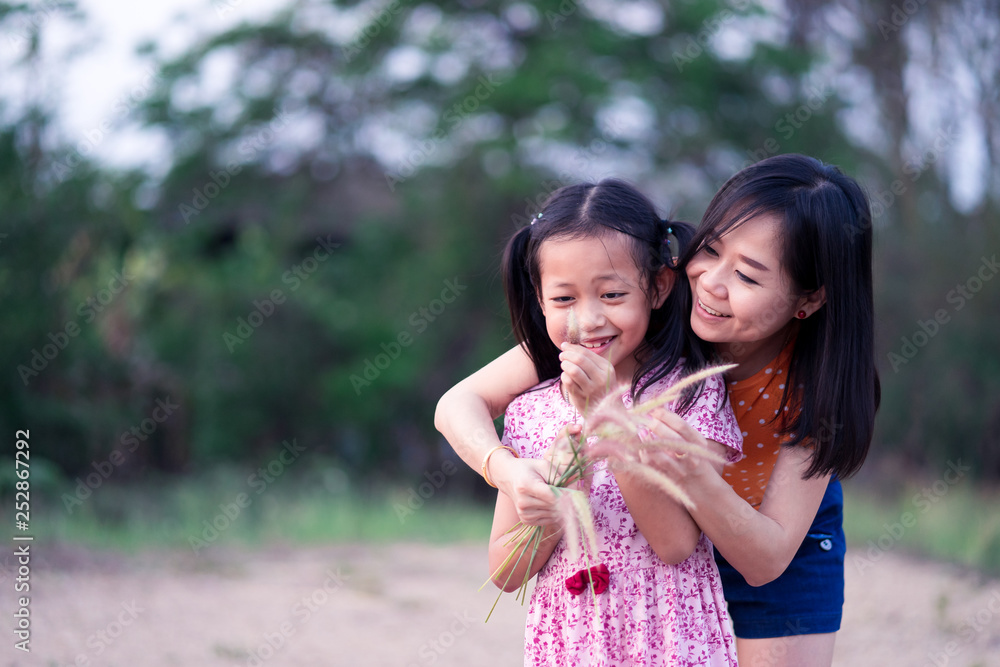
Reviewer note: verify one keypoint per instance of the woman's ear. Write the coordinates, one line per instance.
(664, 283)
(812, 301)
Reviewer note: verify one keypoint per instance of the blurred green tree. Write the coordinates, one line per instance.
(319, 257)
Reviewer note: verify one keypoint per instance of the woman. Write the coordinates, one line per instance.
(779, 280)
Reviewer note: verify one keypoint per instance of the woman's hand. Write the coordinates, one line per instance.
(586, 376)
(684, 469)
(524, 482)
(560, 457)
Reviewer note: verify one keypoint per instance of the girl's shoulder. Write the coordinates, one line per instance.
(710, 414)
(541, 401)
(713, 389)
(534, 417)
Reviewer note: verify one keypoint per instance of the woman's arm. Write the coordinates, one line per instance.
(465, 417)
(510, 578)
(758, 543)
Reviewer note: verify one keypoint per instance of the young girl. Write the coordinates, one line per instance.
(782, 282)
(600, 252)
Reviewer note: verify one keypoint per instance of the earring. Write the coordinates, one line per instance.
(801, 315)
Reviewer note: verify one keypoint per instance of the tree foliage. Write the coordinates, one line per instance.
(318, 257)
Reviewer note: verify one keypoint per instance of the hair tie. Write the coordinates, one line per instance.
(536, 218)
(666, 249)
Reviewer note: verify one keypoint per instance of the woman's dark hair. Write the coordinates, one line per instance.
(826, 233)
(599, 211)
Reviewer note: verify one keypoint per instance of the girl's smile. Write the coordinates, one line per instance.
(596, 278)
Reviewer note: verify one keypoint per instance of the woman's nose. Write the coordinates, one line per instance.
(711, 280)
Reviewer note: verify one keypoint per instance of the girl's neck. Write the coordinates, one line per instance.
(753, 356)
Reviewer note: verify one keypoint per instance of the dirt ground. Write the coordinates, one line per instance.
(404, 605)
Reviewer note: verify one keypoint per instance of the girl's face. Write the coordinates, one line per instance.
(743, 300)
(598, 279)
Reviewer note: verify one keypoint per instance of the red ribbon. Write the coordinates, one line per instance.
(599, 575)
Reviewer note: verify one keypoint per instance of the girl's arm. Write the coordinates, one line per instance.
(666, 524)
(758, 543)
(465, 417)
(505, 517)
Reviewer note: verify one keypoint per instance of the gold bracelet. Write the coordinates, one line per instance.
(486, 461)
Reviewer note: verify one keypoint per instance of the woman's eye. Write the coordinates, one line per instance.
(746, 279)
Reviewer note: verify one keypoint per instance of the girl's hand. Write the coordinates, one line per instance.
(586, 375)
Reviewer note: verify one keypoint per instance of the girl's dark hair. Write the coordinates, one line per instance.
(826, 232)
(599, 211)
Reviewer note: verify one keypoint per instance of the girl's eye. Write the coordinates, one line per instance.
(747, 279)
(710, 251)
(562, 299)
(614, 295)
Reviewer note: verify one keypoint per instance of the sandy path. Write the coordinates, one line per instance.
(404, 605)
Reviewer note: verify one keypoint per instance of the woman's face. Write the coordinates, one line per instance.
(743, 300)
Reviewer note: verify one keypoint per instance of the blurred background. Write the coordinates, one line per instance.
(245, 246)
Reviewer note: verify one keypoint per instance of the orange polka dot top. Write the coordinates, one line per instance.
(756, 401)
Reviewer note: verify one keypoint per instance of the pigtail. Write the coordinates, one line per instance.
(527, 320)
(682, 233)
(670, 340)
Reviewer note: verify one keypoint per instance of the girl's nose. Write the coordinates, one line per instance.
(591, 316)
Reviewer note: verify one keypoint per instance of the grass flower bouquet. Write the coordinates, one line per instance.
(610, 432)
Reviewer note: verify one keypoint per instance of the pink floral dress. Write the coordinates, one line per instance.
(651, 613)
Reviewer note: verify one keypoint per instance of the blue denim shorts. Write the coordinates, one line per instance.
(808, 598)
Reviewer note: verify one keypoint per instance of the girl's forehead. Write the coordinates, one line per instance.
(588, 256)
